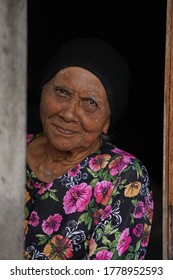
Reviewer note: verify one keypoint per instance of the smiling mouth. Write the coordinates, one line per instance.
(64, 131)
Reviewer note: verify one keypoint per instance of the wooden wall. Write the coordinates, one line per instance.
(168, 140)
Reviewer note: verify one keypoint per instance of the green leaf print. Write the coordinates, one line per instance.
(137, 246)
(138, 168)
(53, 196)
(106, 242)
(92, 172)
(45, 196)
(42, 238)
(26, 213)
(86, 218)
(130, 256)
(93, 182)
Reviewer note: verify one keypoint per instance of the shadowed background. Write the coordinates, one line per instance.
(137, 29)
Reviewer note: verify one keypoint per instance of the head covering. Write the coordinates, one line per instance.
(102, 59)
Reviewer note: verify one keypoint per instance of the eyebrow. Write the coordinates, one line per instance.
(95, 96)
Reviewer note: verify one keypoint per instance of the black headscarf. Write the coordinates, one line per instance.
(102, 59)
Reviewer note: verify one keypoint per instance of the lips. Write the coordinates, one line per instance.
(64, 131)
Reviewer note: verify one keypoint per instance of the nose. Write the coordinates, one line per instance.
(69, 112)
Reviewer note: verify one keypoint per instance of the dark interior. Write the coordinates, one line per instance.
(137, 29)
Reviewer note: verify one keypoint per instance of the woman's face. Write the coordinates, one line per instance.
(74, 109)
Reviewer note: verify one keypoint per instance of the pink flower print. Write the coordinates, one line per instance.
(107, 212)
(118, 182)
(138, 230)
(42, 187)
(98, 162)
(104, 255)
(149, 201)
(103, 191)
(34, 219)
(121, 152)
(118, 164)
(77, 198)
(74, 171)
(97, 216)
(51, 224)
(139, 209)
(149, 206)
(29, 137)
(123, 242)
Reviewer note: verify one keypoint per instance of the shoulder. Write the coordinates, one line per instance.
(35, 146)
(31, 136)
(116, 152)
(125, 164)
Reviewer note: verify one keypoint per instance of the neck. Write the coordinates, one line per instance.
(71, 157)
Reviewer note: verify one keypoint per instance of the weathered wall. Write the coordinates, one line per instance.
(12, 126)
(168, 140)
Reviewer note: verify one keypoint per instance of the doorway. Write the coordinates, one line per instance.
(138, 32)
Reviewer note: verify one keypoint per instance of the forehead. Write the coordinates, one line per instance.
(81, 77)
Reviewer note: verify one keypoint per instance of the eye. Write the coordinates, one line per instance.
(62, 92)
(89, 104)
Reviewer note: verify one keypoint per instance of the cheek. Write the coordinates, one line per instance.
(47, 107)
(97, 122)
(46, 111)
(93, 124)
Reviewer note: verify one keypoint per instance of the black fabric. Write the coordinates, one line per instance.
(102, 59)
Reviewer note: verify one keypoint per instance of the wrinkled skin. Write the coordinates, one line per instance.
(74, 110)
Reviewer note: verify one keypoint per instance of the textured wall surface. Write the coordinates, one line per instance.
(12, 126)
(168, 140)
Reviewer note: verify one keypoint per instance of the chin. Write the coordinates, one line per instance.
(65, 146)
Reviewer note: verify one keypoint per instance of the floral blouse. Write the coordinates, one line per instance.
(101, 209)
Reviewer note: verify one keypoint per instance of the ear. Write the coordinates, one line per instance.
(106, 126)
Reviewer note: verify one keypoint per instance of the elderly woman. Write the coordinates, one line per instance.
(86, 199)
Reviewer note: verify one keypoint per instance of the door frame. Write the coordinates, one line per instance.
(167, 230)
